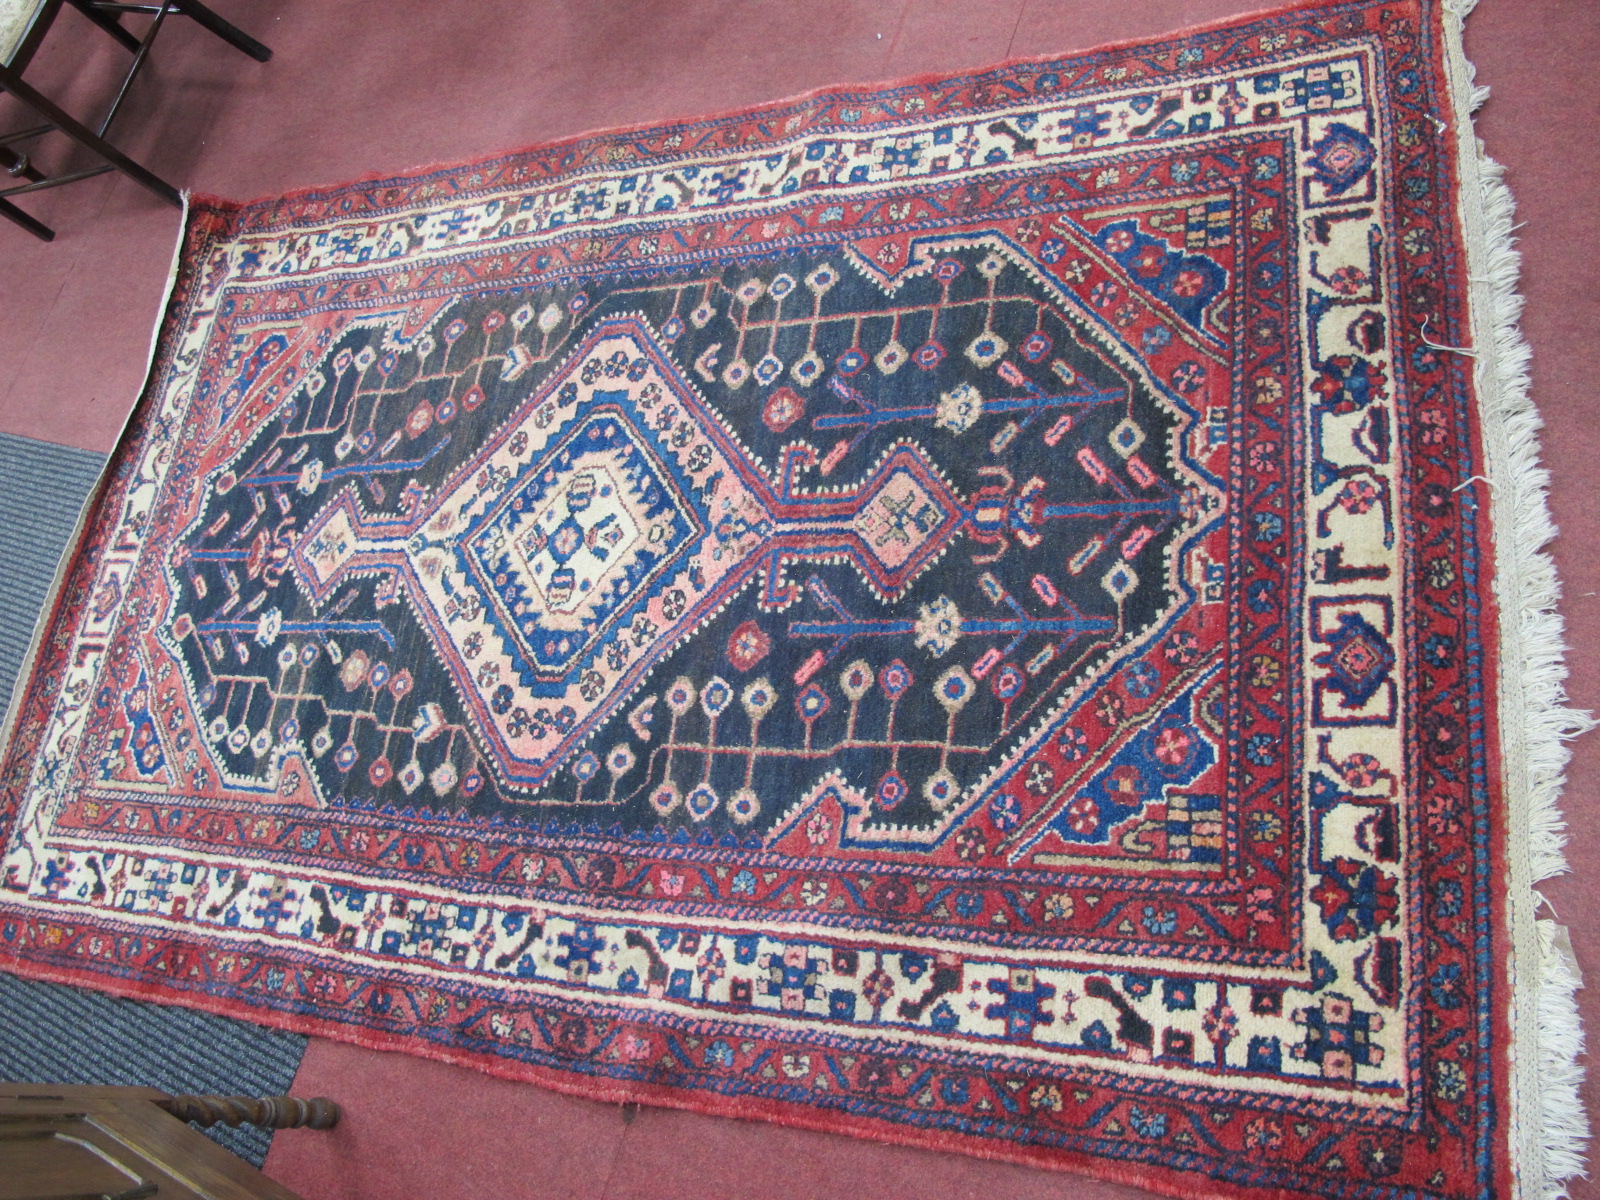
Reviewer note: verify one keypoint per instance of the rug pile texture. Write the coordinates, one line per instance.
(998, 612)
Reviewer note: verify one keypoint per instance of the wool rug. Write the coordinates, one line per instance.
(56, 1034)
(998, 612)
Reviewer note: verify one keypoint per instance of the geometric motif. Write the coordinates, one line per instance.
(943, 612)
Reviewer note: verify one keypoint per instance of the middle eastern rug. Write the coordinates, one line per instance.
(946, 612)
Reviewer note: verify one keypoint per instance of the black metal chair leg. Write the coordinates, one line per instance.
(228, 32)
(106, 21)
(38, 228)
(12, 82)
(15, 164)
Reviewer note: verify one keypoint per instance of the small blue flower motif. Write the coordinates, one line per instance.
(1152, 1125)
(1267, 166)
(1259, 595)
(1052, 249)
(953, 1090)
(1074, 743)
(1444, 985)
(1269, 526)
(719, 1054)
(1437, 648)
(1259, 750)
(1155, 338)
(1424, 359)
(1187, 377)
(1190, 54)
(1446, 898)
(968, 904)
(744, 884)
(1185, 170)
(1005, 811)
(912, 966)
(586, 767)
(1140, 679)
(1159, 921)
(1138, 985)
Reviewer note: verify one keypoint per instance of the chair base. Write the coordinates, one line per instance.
(104, 14)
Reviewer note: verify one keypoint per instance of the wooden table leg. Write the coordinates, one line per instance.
(274, 1112)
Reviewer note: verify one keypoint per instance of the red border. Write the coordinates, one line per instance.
(211, 215)
(1188, 1185)
(234, 208)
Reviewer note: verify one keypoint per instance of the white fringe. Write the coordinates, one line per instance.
(1565, 1129)
(1522, 483)
(1550, 1126)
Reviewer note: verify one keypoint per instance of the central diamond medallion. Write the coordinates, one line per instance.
(579, 545)
(602, 523)
(582, 534)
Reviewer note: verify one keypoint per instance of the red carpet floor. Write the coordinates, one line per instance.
(360, 87)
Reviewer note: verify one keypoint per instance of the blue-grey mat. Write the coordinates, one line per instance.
(42, 486)
(55, 1034)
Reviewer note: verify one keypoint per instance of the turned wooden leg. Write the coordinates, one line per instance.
(274, 1112)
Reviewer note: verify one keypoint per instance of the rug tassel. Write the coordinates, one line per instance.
(1551, 1123)
(1566, 1124)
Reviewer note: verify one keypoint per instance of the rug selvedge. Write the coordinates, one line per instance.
(943, 612)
